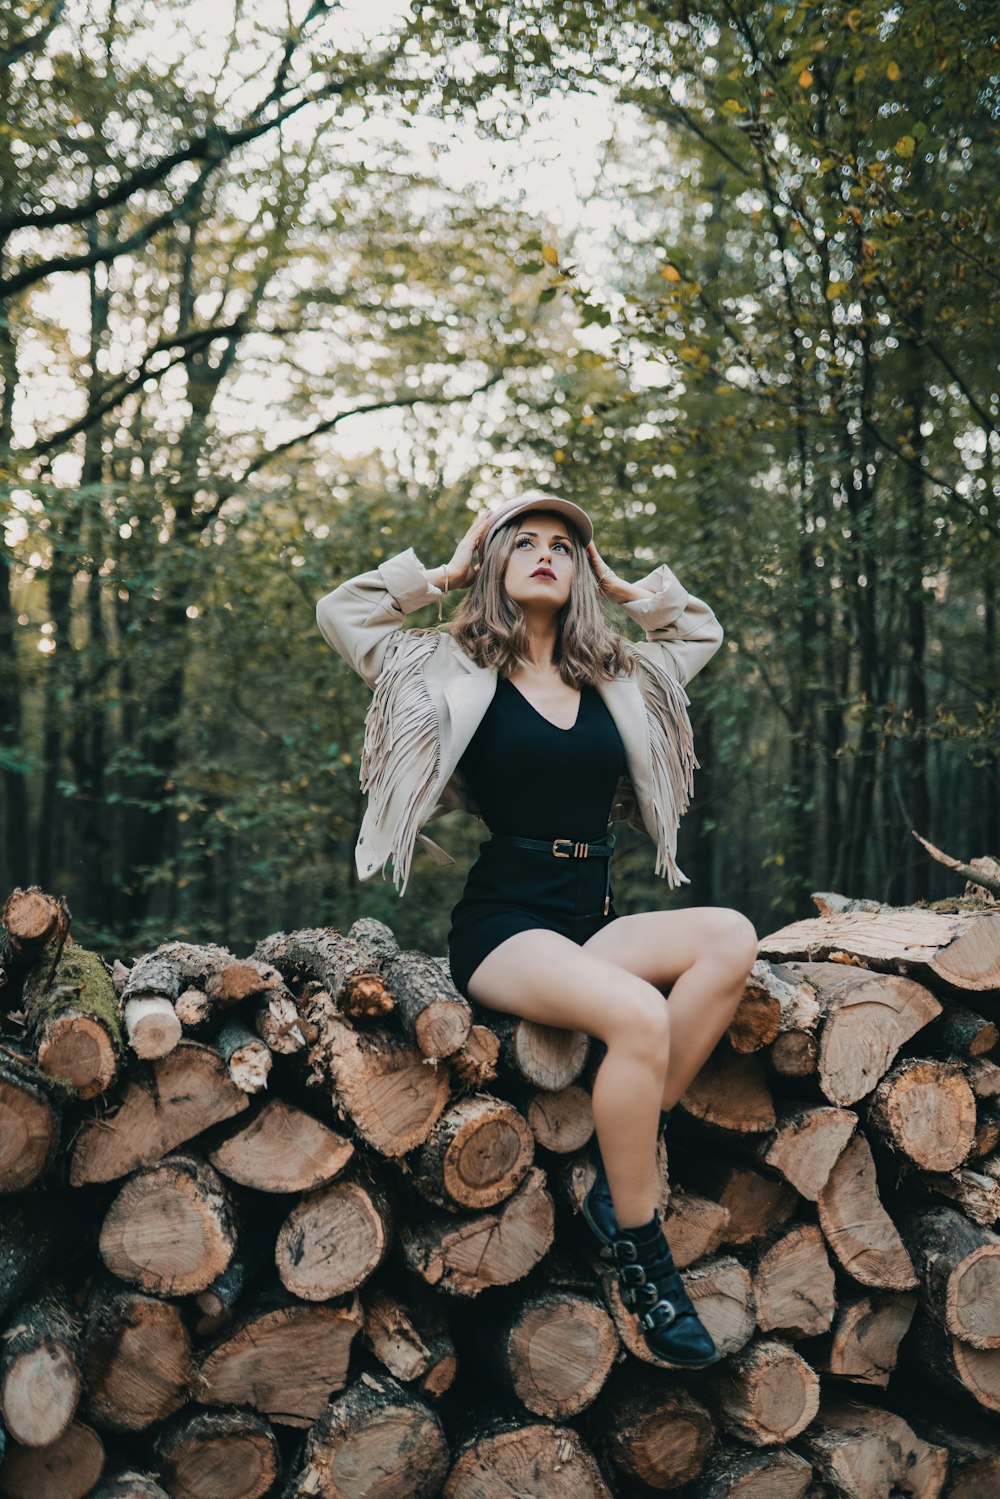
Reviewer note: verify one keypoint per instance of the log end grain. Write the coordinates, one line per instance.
(283, 1149)
(170, 1230)
(332, 1241)
(533, 1462)
(68, 1469)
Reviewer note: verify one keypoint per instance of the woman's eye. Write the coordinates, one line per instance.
(563, 544)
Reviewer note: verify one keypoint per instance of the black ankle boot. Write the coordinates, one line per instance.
(597, 1208)
(652, 1288)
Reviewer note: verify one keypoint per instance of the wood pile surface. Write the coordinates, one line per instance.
(304, 1223)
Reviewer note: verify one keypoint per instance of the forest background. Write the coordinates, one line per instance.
(287, 288)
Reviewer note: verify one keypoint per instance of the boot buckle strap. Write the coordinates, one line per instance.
(663, 1314)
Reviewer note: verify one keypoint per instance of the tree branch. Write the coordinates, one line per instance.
(981, 877)
(34, 41)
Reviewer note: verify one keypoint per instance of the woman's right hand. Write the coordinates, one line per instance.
(463, 568)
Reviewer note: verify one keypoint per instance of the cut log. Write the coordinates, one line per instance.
(794, 1054)
(984, 1077)
(172, 968)
(656, 1432)
(241, 979)
(774, 1002)
(333, 1240)
(375, 1441)
(246, 1056)
(285, 1360)
(412, 1341)
(73, 1020)
(474, 1065)
(723, 1297)
(152, 1026)
(694, 1227)
(868, 1017)
(170, 1230)
(553, 1351)
(40, 1371)
(477, 1155)
(856, 1225)
(130, 1486)
(926, 1112)
(544, 1056)
(768, 1394)
(218, 1455)
(959, 1268)
(865, 1452)
(31, 919)
(433, 1013)
(282, 1149)
(928, 1350)
(756, 1203)
(806, 1144)
(376, 937)
(971, 1439)
(30, 1117)
(987, 1133)
(177, 1098)
(67, 1469)
(962, 948)
(280, 1026)
(866, 1334)
(561, 1122)
(193, 1009)
(137, 1358)
(735, 1473)
(533, 1462)
(731, 1092)
(392, 1094)
(794, 1285)
(340, 965)
(964, 1033)
(977, 1192)
(491, 1248)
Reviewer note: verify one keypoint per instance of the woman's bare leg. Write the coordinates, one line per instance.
(702, 956)
(544, 977)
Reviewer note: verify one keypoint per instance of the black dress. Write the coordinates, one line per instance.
(534, 780)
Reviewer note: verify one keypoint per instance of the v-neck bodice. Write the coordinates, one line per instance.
(536, 780)
(558, 726)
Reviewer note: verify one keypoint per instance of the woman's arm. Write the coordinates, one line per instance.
(684, 630)
(360, 617)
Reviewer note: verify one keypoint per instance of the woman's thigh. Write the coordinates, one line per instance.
(659, 946)
(542, 976)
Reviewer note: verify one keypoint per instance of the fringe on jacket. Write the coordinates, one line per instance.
(671, 742)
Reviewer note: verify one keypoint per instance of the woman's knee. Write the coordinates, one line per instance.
(732, 937)
(641, 1024)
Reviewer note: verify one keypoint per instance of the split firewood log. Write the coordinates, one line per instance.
(958, 1263)
(864, 1341)
(774, 1002)
(477, 1155)
(545, 1056)
(731, 1092)
(553, 1351)
(539, 1461)
(965, 1033)
(722, 1293)
(40, 1370)
(177, 1098)
(347, 971)
(971, 1439)
(74, 1021)
(694, 1227)
(736, 1473)
(806, 1143)
(976, 1190)
(925, 1111)
(246, 1056)
(170, 1230)
(756, 1203)
(929, 1350)
(136, 1357)
(656, 1431)
(411, 1339)
(30, 1120)
(334, 1239)
(283, 1358)
(376, 1427)
(226, 1454)
(961, 947)
(434, 1015)
(389, 1091)
(493, 1248)
(867, 1018)
(172, 968)
(768, 1393)
(67, 1469)
(856, 1225)
(794, 1285)
(475, 1064)
(282, 1149)
(562, 1121)
(865, 1452)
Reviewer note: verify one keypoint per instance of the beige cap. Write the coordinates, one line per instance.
(537, 500)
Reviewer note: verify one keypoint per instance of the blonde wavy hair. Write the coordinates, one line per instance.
(491, 628)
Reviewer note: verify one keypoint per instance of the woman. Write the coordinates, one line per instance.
(530, 712)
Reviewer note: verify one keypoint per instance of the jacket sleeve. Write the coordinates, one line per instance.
(682, 633)
(360, 617)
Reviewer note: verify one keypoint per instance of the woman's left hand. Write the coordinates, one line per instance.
(609, 582)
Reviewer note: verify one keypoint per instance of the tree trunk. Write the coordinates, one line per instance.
(73, 1020)
(925, 1112)
(656, 1432)
(959, 1268)
(434, 1015)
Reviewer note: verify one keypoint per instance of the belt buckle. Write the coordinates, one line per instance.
(556, 852)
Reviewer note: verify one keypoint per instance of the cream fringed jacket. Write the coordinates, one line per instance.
(429, 698)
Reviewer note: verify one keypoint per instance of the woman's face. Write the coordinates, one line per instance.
(540, 568)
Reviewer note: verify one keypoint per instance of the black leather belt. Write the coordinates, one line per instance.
(567, 848)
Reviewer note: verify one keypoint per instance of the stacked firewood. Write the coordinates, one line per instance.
(306, 1223)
